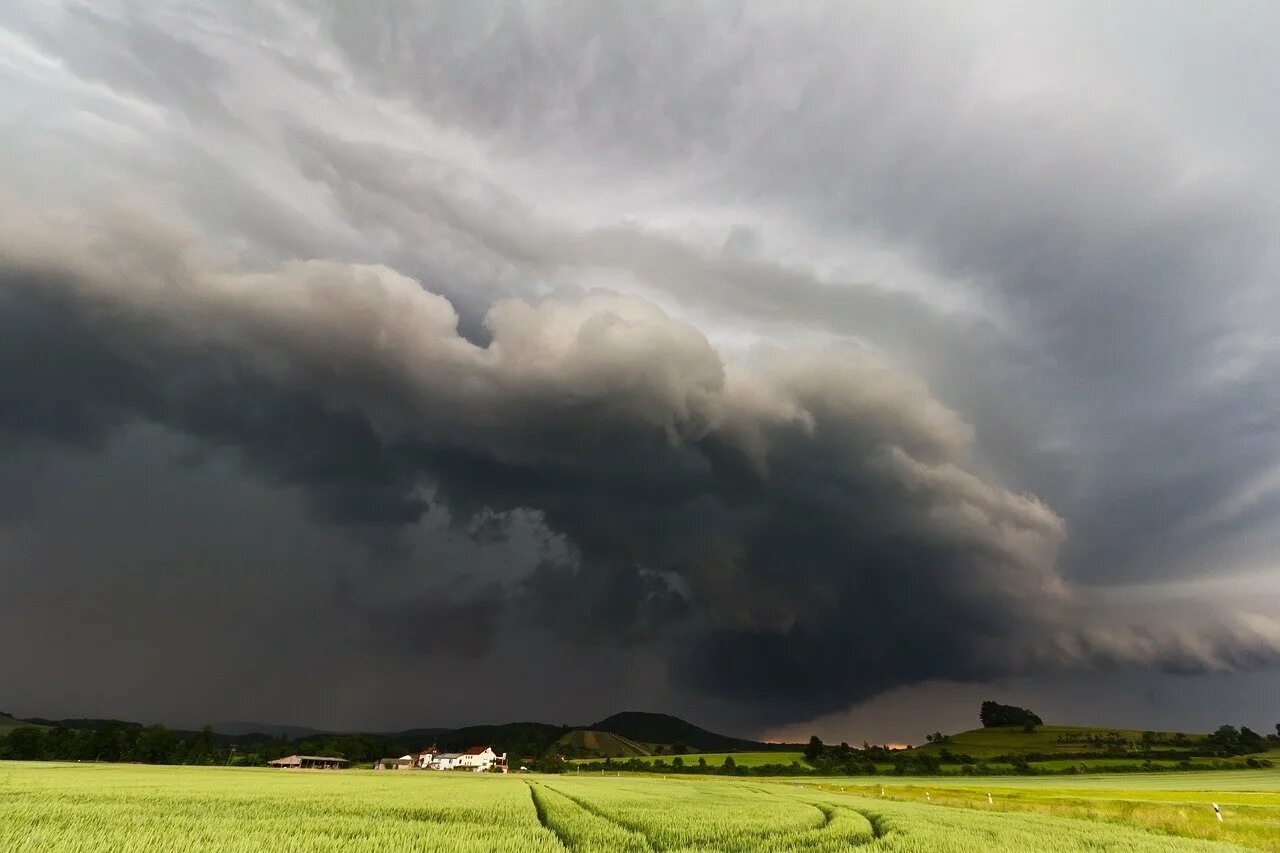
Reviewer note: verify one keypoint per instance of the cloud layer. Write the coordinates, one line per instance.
(806, 353)
(797, 513)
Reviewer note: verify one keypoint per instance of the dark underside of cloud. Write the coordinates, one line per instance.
(731, 358)
(800, 529)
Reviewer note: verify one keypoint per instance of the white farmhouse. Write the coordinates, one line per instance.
(445, 761)
(481, 758)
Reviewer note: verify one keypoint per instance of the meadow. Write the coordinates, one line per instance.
(716, 759)
(84, 808)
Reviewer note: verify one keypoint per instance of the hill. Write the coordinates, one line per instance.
(1066, 740)
(603, 744)
(646, 727)
(8, 724)
(275, 730)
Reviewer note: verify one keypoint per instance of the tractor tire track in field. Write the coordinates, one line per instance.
(877, 823)
(541, 811)
(595, 810)
(827, 813)
(828, 810)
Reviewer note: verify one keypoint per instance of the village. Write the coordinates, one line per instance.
(477, 759)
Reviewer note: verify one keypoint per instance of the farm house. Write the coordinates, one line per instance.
(308, 762)
(481, 758)
(445, 761)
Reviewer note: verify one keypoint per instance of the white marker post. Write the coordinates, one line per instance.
(988, 798)
(927, 797)
(882, 792)
(1217, 811)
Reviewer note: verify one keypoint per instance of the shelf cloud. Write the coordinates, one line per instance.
(780, 361)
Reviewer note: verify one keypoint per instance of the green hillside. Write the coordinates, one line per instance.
(1012, 740)
(8, 724)
(603, 744)
(742, 759)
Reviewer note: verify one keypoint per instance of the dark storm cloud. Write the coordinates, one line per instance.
(966, 322)
(1123, 244)
(787, 510)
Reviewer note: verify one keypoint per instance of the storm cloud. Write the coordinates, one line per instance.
(807, 380)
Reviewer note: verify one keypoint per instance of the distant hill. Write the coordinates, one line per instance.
(273, 730)
(627, 734)
(1012, 740)
(605, 744)
(646, 727)
(82, 723)
(518, 738)
(8, 724)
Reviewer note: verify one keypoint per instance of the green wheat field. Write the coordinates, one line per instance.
(81, 807)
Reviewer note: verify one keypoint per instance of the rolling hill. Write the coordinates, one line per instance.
(1012, 740)
(646, 727)
(606, 744)
(8, 724)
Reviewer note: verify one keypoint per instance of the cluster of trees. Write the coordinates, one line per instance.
(846, 760)
(1228, 740)
(114, 741)
(994, 714)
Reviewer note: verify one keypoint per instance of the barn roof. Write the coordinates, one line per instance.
(296, 759)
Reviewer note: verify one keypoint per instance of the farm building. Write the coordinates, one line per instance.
(402, 763)
(308, 762)
(481, 758)
(477, 758)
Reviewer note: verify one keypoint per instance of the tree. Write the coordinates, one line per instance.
(814, 749)
(994, 714)
(24, 744)
(702, 761)
(155, 745)
(677, 762)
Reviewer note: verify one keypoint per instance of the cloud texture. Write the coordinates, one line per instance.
(806, 379)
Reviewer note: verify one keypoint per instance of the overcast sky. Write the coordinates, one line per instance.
(789, 367)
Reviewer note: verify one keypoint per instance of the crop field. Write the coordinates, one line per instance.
(715, 759)
(99, 808)
(606, 743)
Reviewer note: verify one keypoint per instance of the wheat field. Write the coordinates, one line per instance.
(51, 808)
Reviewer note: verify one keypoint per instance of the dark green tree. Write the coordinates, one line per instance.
(994, 714)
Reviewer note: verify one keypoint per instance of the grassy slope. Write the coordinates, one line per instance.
(742, 759)
(984, 743)
(8, 724)
(605, 743)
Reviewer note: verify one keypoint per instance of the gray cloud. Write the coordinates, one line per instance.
(787, 509)
(820, 342)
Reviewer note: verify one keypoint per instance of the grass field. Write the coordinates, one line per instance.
(8, 724)
(1001, 740)
(99, 808)
(715, 759)
(606, 743)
